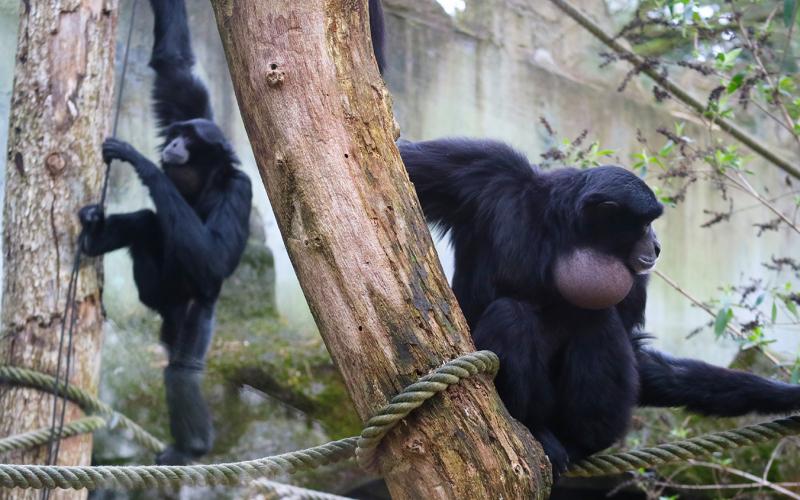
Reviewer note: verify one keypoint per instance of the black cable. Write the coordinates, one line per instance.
(70, 306)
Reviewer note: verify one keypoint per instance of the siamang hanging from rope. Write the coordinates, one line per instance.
(551, 273)
(193, 240)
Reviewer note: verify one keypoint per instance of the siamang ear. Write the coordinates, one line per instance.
(595, 206)
(208, 133)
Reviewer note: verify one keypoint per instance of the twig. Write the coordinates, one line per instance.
(778, 100)
(749, 189)
(675, 90)
(740, 486)
(747, 475)
(735, 331)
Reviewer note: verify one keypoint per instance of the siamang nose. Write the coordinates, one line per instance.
(657, 247)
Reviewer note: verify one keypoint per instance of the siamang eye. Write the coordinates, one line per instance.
(608, 206)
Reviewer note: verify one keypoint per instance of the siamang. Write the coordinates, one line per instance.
(551, 273)
(193, 240)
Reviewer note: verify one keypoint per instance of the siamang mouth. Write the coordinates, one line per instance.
(169, 158)
(643, 265)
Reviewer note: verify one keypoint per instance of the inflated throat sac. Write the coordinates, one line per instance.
(590, 279)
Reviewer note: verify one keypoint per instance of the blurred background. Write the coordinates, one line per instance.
(523, 72)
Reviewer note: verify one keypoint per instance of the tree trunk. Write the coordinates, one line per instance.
(320, 121)
(60, 109)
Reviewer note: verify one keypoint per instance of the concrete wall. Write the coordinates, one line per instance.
(491, 70)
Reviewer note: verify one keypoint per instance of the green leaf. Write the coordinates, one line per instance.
(666, 149)
(774, 314)
(724, 317)
(791, 306)
(789, 12)
(786, 85)
(735, 83)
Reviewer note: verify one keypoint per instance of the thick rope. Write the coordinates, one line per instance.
(43, 436)
(88, 403)
(364, 447)
(417, 393)
(271, 490)
(679, 451)
(231, 474)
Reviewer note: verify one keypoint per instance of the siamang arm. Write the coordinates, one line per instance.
(106, 234)
(209, 251)
(510, 328)
(455, 177)
(178, 94)
(710, 390)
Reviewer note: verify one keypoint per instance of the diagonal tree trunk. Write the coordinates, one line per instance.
(60, 109)
(319, 119)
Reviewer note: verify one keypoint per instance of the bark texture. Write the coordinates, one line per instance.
(60, 112)
(320, 121)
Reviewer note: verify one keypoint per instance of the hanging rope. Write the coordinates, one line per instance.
(70, 315)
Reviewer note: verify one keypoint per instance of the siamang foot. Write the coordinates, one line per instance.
(92, 218)
(558, 456)
(559, 462)
(173, 456)
(114, 149)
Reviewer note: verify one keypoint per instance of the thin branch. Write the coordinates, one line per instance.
(740, 486)
(748, 476)
(735, 331)
(749, 189)
(754, 51)
(640, 64)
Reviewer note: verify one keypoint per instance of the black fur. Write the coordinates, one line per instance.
(193, 240)
(572, 376)
(377, 32)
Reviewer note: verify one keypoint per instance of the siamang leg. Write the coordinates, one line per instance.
(512, 330)
(174, 319)
(189, 417)
(118, 231)
(178, 94)
(710, 390)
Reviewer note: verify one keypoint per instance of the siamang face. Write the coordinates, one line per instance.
(192, 151)
(617, 211)
(197, 141)
(176, 152)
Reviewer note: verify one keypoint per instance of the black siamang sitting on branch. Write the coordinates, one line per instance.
(551, 273)
(193, 240)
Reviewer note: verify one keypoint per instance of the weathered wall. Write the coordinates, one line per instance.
(492, 70)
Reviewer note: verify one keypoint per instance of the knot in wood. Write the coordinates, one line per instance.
(275, 76)
(55, 163)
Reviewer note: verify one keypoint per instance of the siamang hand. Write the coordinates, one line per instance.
(91, 217)
(114, 149)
